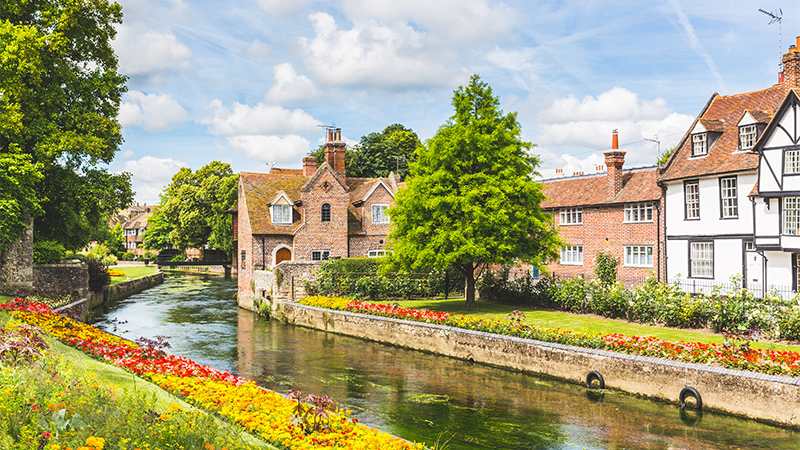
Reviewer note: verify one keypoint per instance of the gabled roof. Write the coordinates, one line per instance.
(138, 221)
(723, 155)
(260, 189)
(638, 185)
(320, 170)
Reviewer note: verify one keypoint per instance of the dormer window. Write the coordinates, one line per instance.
(281, 214)
(747, 136)
(699, 144)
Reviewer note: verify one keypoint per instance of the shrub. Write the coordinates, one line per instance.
(149, 255)
(570, 294)
(127, 256)
(48, 252)
(360, 277)
(606, 268)
(788, 323)
(98, 274)
(181, 257)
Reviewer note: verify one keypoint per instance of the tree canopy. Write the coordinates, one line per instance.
(193, 210)
(59, 99)
(471, 199)
(379, 154)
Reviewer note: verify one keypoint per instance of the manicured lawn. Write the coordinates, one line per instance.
(4, 298)
(557, 319)
(133, 272)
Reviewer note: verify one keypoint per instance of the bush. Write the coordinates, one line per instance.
(788, 323)
(127, 256)
(48, 252)
(517, 291)
(181, 257)
(606, 268)
(98, 275)
(360, 278)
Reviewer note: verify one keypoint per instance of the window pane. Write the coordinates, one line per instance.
(792, 162)
(692, 193)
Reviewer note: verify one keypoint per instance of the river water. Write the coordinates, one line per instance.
(414, 395)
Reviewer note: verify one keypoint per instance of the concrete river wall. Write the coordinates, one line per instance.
(757, 396)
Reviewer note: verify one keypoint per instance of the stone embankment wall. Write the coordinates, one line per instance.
(16, 262)
(70, 278)
(757, 396)
(271, 289)
(124, 289)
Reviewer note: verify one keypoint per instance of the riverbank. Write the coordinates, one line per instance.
(756, 396)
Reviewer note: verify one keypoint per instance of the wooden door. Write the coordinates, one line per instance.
(283, 254)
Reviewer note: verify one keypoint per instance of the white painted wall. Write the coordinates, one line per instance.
(728, 259)
(710, 223)
(779, 269)
(677, 259)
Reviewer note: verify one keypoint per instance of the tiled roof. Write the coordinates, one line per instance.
(137, 222)
(723, 156)
(260, 189)
(638, 185)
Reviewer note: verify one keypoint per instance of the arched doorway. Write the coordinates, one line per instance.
(283, 254)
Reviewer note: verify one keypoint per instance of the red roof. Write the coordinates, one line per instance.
(638, 185)
(722, 115)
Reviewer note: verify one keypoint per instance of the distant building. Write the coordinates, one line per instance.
(309, 214)
(618, 212)
(133, 220)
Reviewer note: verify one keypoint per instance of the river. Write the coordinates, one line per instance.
(415, 395)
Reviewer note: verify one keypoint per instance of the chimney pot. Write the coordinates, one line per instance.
(791, 66)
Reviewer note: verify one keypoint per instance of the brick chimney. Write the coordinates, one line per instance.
(614, 161)
(791, 66)
(309, 166)
(334, 151)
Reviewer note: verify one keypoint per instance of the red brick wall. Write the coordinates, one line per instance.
(603, 230)
(245, 239)
(361, 245)
(319, 235)
(379, 196)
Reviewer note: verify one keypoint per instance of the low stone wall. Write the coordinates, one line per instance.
(756, 396)
(124, 289)
(202, 269)
(61, 279)
(77, 310)
(271, 290)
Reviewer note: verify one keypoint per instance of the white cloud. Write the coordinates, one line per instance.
(259, 119)
(372, 54)
(258, 49)
(615, 104)
(283, 8)
(143, 51)
(290, 87)
(152, 112)
(287, 150)
(150, 175)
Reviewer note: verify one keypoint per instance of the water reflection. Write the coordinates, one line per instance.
(416, 395)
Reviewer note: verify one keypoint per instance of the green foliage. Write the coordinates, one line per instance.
(181, 257)
(18, 199)
(664, 156)
(115, 241)
(789, 323)
(194, 209)
(391, 150)
(471, 199)
(127, 256)
(59, 100)
(98, 274)
(48, 252)
(605, 268)
(500, 288)
(156, 237)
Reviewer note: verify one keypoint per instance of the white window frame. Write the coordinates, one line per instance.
(791, 215)
(572, 255)
(320, 255)
(699, 144)
(639, 255)
(638, 213)
(379, 213)
(747, 136)
(280, 218)
(792, 163)
(692, 200)
(570, 216)
(376, 253)
(701, 259)
(728, 197)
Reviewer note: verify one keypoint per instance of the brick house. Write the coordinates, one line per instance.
(617, 211)
(309, 214)
(133, 221)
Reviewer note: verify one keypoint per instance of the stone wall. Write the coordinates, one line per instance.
(124, 289)
(271, 290)
(61, 279)
(762, 397)
(16, 263)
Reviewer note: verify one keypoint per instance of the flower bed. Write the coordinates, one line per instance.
(734, 357)
(262, 412)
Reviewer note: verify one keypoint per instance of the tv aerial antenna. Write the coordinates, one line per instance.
(776, 17)
(655, 141)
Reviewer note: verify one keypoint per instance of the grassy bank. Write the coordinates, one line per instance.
(575, 322)
(133, 272)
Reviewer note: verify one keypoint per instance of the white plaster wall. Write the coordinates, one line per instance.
(710, 223)
(677, 259)
(728, 259)
(767, 219)
(779, 269)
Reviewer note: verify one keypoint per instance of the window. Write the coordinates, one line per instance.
(639, 212)
(747, 136)
(326, 212)
(376, 253)
(571, 216)
(639, 255)
(702, 260)
(792, 164)
(281, 213)
(699, 144)
(791, 215)
(244, 259)
(727, 194)
(691, 192)
(379, 214)
(572, 255)
(320, 255)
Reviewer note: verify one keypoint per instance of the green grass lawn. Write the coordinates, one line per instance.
(133, 272)
(558, 319)
(4, 298)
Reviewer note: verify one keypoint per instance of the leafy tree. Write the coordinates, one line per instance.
(156, 237)
(116, 239)
(195, 206)
(379, 154)
(471, 199)
(664, 156)
(18, 178)
(59, 99)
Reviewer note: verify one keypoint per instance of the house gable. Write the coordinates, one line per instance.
(779, 151)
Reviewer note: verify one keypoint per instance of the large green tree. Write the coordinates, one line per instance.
(471, 199)
(194, 208)
(59, 99)
(18, 179)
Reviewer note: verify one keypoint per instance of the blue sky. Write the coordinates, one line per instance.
(248, 82)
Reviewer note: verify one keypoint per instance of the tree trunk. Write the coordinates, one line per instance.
(469, 275)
